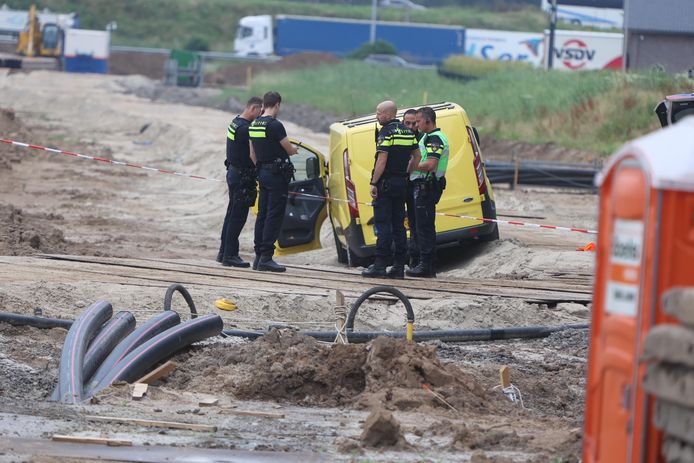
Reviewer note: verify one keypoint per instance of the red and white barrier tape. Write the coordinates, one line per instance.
(505, 222)
(182, 174)
(106, 161)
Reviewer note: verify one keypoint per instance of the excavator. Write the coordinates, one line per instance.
(40, 39)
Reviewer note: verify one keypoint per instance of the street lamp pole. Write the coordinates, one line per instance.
(374, 12)
(552, 30)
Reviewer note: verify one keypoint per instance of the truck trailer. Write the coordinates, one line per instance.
(416, 42)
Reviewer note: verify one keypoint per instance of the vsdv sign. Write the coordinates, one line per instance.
(578, 50)
(575, 54)
(504, 45)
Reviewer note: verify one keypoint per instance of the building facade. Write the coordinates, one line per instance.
(659, 33)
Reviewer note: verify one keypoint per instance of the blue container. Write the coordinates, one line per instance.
(86, 63)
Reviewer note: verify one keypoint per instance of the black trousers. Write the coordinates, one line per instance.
(272, 203)
(425, 199)
(412, 247)
(235, 218)
(389, 221)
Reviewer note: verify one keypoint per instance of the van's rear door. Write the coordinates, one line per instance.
(306, 203)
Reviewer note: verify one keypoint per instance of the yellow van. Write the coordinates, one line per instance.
(344, 181)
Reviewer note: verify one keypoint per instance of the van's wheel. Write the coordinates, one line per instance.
(493, 236)
(355, 261)
(341, 252)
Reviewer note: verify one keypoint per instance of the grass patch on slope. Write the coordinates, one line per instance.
(594, 111)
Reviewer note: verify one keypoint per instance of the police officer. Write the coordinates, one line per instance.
(409, 119)
(241, 179)
(270, 150)
(429, 182)
(396, 154)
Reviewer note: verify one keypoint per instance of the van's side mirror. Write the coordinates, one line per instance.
(661, 112)
(312, 167)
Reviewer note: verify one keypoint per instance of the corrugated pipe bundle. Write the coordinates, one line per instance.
(543, 173)
(95, 354)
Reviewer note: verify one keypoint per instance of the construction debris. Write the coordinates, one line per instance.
(92, 440)
(670, 375)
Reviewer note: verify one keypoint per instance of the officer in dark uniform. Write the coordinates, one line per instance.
(241, 179)
(270, 150)
(429, 182)
(397, 153)
(409, 119)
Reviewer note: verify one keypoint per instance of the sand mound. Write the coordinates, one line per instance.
(381, 429)
(286, 366)
(24, 234)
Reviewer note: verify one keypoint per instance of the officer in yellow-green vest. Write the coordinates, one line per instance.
(429, 182)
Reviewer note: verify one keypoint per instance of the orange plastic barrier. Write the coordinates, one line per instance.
(645, 246)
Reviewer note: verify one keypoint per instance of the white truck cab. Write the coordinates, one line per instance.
(254, 36)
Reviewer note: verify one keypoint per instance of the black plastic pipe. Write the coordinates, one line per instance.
(469, 335)
(349, 326)
(141, 360)
(70, 375)
(113, 332)
(186, 295)
(152, 327)
(36, 322)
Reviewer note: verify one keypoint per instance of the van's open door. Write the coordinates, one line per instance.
(306, 203)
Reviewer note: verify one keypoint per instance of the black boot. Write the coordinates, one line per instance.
(397, 272)
(220, 257)
(266, 264)
(375, 270)
(414, 261)
(255, 261)
(235, 261)
(422, 270)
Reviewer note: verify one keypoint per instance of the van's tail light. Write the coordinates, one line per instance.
(349, 186)
(477, 161)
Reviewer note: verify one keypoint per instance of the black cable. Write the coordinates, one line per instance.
(186, 295)
(349, 326)
(467, 335)
(36, 322)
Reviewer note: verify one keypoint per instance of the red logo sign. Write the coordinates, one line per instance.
(575, 54)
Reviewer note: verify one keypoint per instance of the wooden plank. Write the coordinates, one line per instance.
(154, 423)
(535, 293)
(208, 402)
(139, 390)
(92, 440)
(157, 373)
(232, 411)
(504, 377)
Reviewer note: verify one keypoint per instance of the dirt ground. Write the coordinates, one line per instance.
(335, 402)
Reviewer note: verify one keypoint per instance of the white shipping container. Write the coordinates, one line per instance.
(87, 43)
(505, 45)
(87, 51)
(585, 51)
(15, 21)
